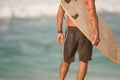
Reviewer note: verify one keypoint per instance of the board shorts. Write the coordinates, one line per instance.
(76, 41)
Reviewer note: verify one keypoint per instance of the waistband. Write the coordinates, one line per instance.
(72, 26)
(73, 29)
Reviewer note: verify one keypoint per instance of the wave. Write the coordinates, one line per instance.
(37, 8)
(112, 6)
(28, 11)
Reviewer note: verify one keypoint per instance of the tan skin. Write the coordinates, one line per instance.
(60, 37)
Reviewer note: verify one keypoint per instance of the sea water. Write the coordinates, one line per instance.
(29, 51)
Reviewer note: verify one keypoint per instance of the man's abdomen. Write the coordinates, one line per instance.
(70, 22)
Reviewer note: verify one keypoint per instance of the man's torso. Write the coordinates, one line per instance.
(69, 21)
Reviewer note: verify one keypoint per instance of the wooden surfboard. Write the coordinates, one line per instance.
(77, 11)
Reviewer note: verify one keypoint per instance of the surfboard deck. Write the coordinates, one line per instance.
(77, 11)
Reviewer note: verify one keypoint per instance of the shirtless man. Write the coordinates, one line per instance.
(75, 40)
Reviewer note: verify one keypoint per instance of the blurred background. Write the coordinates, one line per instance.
(28, 48)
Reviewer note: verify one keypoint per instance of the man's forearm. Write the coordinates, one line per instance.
(93, 16)
(95, 24)
(60, 16)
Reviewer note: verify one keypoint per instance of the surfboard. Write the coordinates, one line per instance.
(77, 11)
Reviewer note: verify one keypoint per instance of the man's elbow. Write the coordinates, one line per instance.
(93, 17)
(92, 14)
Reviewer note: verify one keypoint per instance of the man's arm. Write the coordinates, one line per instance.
(60, 16)
(94, 20)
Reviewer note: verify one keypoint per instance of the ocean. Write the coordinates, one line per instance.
(28, 47)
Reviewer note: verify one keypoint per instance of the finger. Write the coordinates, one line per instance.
(95, 43)
(58, 40)
(61, 41)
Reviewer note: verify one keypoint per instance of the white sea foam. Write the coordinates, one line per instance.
(28, 11)
(36, 8)
(108, 5)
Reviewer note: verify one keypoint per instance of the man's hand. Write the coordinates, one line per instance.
(96, 39)
(60, 38)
